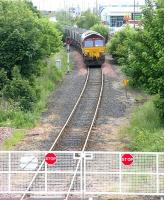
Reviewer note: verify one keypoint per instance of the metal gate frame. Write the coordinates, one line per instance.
(77, 168)
(158, 171)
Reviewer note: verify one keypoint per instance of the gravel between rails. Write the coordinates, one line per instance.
(75, 134)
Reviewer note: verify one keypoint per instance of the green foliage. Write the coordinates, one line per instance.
(119, 45)
(33, 8)
(141, 52)
(64, 18)
(14, 117)
(102, 29)
(88, 20)
(147, 141)
(160, 105)
(20, 91)
(146, 117)
(146, 131)
(25, 39)
(3, 78)
(11, 114)
(16, 137)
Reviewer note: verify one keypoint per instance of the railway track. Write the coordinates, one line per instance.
(74, 136)
(76, 131)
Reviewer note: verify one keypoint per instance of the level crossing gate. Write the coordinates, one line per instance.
(81, 173)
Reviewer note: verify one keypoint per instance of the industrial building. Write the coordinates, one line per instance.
(115, 13)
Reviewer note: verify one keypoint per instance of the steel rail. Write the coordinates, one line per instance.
(63, 129)
(88, 135)
(60, 133)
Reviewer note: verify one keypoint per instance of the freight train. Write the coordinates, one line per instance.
(90, 44)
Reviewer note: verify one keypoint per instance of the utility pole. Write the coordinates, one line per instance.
(134, 15)
(65, 15)
(97, 7)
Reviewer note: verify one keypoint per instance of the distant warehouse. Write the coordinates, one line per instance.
(115, 14)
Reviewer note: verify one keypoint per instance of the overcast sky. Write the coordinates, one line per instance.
(84, 4)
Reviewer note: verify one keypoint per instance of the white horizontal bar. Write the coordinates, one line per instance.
(72, 172)
(43, 152)
(38, 192)
(123, 152)
(40, 172)
(126, 173)
(122, 193)
(93, 152)
(87, 193)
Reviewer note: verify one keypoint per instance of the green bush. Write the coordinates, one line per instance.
(88, 20)
(148, 141)
(141, 52)
(146, 130)
(119, 45)
(11, 115)
(3, 78)
(102, 29)
(21, 91)
(160, 105)
(26, 38)
(16, 118)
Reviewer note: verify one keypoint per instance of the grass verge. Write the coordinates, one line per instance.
(17, 136)
(146, 133)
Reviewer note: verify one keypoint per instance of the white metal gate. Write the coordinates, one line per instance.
(107, 173)
(87, 173)
(18, 169)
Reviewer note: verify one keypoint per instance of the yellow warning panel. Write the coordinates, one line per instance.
(125, 82)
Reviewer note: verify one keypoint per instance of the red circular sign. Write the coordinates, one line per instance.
(127, 159)
(51, 158)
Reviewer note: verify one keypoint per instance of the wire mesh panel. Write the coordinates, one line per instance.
(124, 173)
(30, 172)
(89, 173)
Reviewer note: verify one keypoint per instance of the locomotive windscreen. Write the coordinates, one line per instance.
(99, 43)
(88, 43)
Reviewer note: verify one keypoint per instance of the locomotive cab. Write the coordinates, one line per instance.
(90, 44)
(93, 48)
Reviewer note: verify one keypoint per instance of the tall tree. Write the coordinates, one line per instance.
(87, 20)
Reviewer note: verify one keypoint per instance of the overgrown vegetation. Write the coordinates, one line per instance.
(14, 139)
(26, 39)
(27, 74)
(10, 113)
(146, 131)
(141, 53)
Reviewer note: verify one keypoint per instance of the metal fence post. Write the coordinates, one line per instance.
(83, 175)
(9, 177)
(120, 173)
(157, 172)
(68, 58)
(46, 177)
